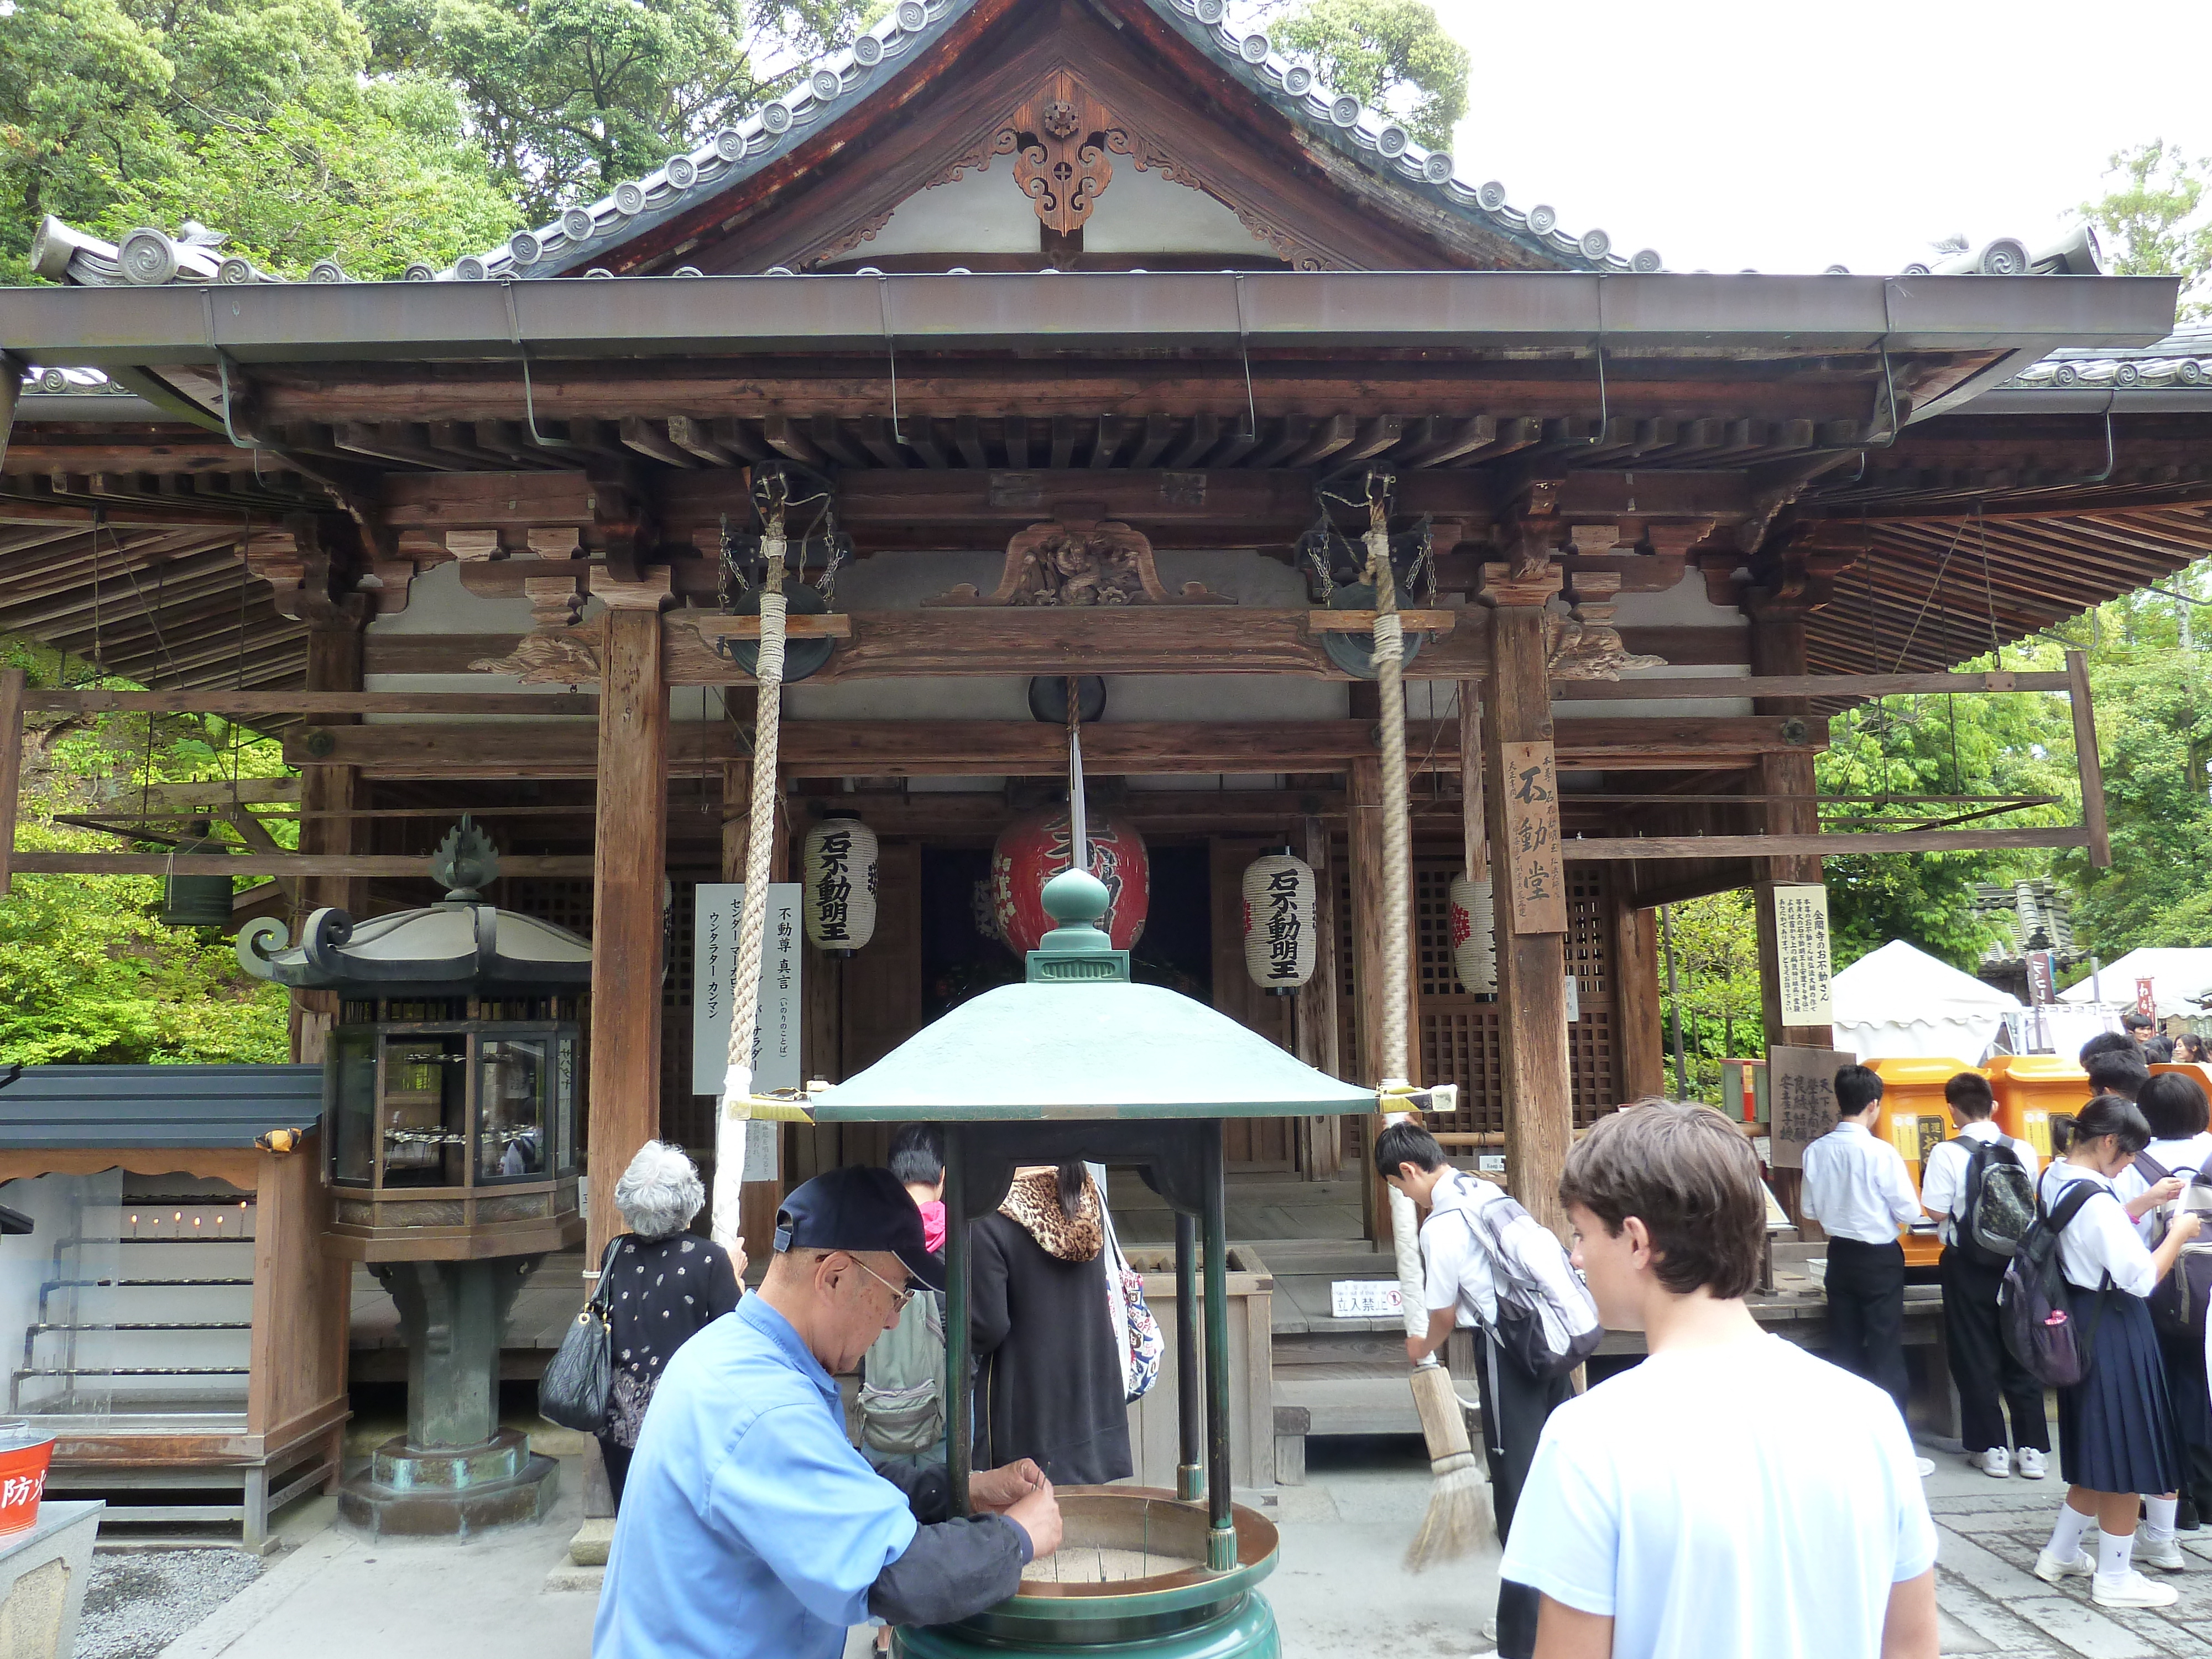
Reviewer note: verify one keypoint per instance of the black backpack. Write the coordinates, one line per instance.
(2034, 1311)
(1998, 1202)
(2177, 1301)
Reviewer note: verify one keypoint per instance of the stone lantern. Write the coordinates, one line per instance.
(453, 1088)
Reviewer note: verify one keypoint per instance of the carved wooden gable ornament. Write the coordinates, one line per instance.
(1063, 137)
(1079, 561)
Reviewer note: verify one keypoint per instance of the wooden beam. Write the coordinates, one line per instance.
(834, 749)
(630, 841)
(1641, 1041)
(2088, 765)
(11, 750)
(1803, 685)
(996, 640)
(342, 866)
(1824, 843)
(247, 704)
(1777, 650)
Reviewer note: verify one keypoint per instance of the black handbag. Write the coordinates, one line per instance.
(573, 1390)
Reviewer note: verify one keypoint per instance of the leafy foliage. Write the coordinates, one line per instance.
(1716, 944)
(2155, 221)
(570, 97)
(1393, 54)
(2017, 744)
(376, 134)
(86, 973)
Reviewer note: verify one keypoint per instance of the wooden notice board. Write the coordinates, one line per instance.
(1535, 878)
(1800, 1097)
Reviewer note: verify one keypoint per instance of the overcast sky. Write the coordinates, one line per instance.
(1785, 136)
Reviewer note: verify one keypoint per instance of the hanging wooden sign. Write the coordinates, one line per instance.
(1535, 878)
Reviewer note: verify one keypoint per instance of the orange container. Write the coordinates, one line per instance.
(1915, 1119)
(2202, 1073)
(24, 1452)
(2029, 1088)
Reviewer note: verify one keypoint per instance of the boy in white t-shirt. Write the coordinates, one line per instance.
(1661, 1521)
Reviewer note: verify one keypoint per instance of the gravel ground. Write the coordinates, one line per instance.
(139, 1602)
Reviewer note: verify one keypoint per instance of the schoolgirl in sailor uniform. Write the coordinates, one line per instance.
(2116, 1425)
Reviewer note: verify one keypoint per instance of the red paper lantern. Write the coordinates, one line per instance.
(1037, 846)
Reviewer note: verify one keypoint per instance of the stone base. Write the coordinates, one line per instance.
(593, 1540)
(411, 1491)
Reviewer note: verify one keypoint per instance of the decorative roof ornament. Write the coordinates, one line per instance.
(465, 862)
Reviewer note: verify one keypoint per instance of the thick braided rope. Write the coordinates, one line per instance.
(752, 918)
(1397, 881)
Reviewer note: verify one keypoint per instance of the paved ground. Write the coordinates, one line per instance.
(1339, 1592)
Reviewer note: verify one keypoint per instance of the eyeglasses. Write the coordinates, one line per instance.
(899, 1298)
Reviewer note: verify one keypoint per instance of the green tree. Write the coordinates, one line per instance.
(2153, 223)
(86, 973)
(1393, 54)
(1716, 944)
(256, 114)
(571, 97)
(2014, 743)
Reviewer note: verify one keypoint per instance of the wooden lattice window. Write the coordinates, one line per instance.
(1460, 1043)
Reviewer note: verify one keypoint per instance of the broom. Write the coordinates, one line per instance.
(1459, 1518)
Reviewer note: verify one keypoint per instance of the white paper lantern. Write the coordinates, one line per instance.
(840, 886)
(1474, 937)
(1282, 917)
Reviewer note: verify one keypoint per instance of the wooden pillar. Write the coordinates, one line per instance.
(1639, 1033)
(629, 867)
(11, 737)
(1321, 1148)
(330, 797)
(1521, 801)
(1777, 646)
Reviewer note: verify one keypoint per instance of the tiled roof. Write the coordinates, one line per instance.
(2183, 358)
(839, 83)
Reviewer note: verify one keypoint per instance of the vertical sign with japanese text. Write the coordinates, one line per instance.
(1800, 954)
(1800, 1099)
(1535, 877)
(775, 1037)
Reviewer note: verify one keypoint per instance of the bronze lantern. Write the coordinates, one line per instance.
(452, 1086)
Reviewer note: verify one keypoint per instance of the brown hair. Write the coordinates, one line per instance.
(1685, 1172)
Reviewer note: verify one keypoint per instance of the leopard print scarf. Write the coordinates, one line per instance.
(1034, 1201)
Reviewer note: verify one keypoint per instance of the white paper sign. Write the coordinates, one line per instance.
(761, 1139)
(775, 1038)
(1800, 954)
(1364, 1298)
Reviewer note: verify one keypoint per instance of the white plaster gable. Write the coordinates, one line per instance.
(1138, 213)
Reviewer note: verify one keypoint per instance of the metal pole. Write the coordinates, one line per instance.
(1674, 1001)
(1190, 1407)
(959, 1390)
(1221, 1531)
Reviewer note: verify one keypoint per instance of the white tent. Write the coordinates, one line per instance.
(2178, 978)
(1899, 1001)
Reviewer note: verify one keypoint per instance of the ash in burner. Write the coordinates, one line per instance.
(1092, 1564)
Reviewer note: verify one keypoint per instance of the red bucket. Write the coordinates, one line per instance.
(24, 1452)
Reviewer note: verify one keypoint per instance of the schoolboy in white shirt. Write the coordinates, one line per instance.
(1656, 1524)
(1856, 1187)
(1989, 1379)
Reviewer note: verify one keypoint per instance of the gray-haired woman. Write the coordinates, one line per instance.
(663, 1284)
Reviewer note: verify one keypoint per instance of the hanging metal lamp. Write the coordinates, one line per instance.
(197, 901)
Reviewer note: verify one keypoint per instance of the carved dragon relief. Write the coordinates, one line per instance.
(1075, 561)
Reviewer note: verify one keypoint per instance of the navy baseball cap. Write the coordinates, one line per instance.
(857, 1208)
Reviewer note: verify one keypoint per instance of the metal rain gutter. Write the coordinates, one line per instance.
(668, 316)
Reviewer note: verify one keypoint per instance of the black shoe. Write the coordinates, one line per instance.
(2185, 1518)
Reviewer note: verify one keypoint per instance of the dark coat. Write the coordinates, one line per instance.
(1049, 1382)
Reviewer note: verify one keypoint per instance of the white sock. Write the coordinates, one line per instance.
(2115, 1556)
(2158, 1525)
(2066, 1536)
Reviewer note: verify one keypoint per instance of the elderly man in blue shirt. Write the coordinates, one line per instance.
(749, 1525)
